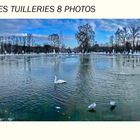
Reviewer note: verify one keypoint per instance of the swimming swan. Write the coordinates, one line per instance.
(58, 81)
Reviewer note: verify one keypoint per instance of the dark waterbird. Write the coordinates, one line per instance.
(112, 105)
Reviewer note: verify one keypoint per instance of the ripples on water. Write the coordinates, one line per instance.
(27, 91)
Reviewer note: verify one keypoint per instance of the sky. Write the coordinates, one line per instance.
(67, 28)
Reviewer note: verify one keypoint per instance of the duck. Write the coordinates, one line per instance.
(92, 107)
(59, 81)
(112, 105)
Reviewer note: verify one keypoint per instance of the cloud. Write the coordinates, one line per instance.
(20, 25)
(111, 25)
(41, 28)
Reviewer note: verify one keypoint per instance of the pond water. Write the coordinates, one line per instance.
(28, 93)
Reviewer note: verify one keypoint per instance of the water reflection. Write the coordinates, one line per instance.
(112, 108)
(84, 77)
(27, 63)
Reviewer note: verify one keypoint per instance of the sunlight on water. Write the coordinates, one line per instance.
(27, 90)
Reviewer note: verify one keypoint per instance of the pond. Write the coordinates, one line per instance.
(28, 92)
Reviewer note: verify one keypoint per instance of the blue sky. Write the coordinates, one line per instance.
(67, 28)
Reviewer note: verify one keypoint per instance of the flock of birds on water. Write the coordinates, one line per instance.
(91, 107)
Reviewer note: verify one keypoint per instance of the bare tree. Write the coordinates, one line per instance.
(55, 39)
(85, 37)
(124, 35)
(13, 40)
(29, 41)
(111, 40)
(1, 44)
(121, 36)
(24, 39)
(134, 33)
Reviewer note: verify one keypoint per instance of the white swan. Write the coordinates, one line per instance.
(59, 81)
(92, 107)
(112, 103)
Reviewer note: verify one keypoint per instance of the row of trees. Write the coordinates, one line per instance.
(26, 44)
(124, 39)
(127, 34)
(16, 44)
